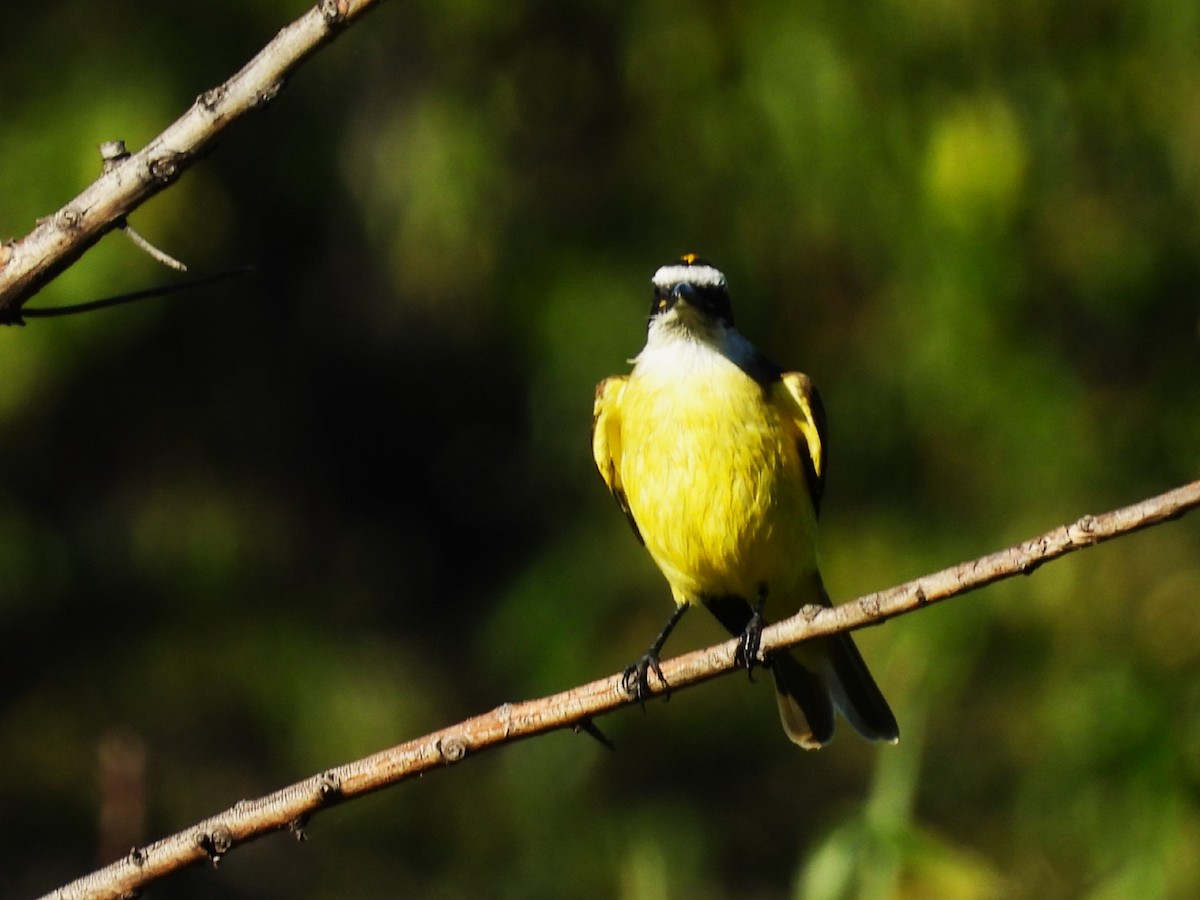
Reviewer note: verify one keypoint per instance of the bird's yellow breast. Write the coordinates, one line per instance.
(713, 479)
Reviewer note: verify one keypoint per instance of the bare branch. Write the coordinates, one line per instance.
(1023, 559)
(290, 808)
(30, 263)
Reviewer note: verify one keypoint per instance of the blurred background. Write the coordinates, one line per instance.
(279, 524)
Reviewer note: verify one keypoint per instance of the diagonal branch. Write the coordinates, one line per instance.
(291, 807)
(29, 264)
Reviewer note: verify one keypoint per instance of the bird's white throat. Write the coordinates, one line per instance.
(675, 344)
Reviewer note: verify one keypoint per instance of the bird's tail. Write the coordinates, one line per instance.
(813, 679)
(823, 674)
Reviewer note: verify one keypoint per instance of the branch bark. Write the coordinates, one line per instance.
(28, 264)
(291, 807)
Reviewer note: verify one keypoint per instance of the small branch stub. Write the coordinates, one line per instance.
(297, 826)
(111, 153)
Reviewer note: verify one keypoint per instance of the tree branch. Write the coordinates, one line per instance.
(291, 807)
(27, 265)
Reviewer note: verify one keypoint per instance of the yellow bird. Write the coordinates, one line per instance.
(717, 457)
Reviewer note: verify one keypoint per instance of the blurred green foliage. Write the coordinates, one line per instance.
(299, 518)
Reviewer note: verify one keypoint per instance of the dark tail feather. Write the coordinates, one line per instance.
(805, 704)
(835, 675)
(856, 694)
(814, 677)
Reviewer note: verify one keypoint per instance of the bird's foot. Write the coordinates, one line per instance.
(751, 639)
(636, 678)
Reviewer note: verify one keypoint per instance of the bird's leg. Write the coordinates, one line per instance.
(636, 679)
(751, 639)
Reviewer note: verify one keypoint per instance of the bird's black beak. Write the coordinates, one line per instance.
(685, 292)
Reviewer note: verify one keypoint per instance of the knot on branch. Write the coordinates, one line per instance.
(504, 715)
(69, 218)
(329, 787)
(136, 857)
(452, 749)
(333, 11)
(810, 611)
(215, 843)
(165, 168)
(1032, 555)
(1083, 531)
(265, 95)
(212, 98)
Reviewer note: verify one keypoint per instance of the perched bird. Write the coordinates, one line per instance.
(717, 457)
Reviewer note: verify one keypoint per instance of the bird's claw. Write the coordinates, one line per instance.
(749, 643)
(636, 678)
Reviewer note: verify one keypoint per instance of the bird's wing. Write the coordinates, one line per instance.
(606, 440)
(805, 418)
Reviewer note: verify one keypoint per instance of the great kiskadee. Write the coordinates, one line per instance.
(717, 457)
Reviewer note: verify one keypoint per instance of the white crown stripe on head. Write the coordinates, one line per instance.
(700, 276)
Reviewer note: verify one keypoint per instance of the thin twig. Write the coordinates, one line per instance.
(162, 290)
(291, 808)
(159, 256)
(28, 264)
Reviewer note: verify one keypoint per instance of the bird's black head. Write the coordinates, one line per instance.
(697, 283)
